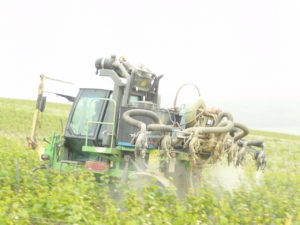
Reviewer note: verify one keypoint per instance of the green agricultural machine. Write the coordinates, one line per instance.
(122, 132)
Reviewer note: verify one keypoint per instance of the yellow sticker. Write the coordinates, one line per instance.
(143, 83)
(153, 159)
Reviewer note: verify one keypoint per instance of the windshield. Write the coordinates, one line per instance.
(88, 108)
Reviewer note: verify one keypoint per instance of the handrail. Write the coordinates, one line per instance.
(104, 123)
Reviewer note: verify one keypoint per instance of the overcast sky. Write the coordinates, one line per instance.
(243, 55)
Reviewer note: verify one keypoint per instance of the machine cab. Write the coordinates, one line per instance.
(88, 119)
(95, 120)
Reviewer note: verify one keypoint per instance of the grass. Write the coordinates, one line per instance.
(16, 118)
(49, 197)
(275, 135)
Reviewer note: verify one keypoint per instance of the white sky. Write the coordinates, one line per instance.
(243, 55)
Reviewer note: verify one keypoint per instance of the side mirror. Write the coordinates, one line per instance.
(41, 104)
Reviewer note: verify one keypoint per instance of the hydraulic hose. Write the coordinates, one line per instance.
(244, 131)
(256, 143)
(159, 127)
(233, 131)
(223, 127)
(156, 126)
(127, 117)
(222, 115)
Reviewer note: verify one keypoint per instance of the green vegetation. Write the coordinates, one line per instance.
(16, 118)
(50, 197)
(275, 135)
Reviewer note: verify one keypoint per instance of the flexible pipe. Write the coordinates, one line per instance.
(244, 131)
(159, 127)
(127, 117)
(156, 126)
(223, 127)
(256, 143)
(222, 115)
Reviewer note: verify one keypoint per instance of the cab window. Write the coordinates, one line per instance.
(88, 109)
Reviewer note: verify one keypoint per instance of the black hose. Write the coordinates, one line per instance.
(127, 117)
(222, 115)
(159, 127)
(156, 126)
(223, 127)
(256, 143)
(233, 131)
(244, 131)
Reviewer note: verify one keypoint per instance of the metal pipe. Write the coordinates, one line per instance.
(177, 93)
(122, 69)
(112, 63)
(32, 141)
(58, 80)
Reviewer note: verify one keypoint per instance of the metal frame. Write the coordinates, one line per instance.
(32, 140)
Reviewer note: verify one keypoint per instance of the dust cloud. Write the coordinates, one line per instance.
(231, 177)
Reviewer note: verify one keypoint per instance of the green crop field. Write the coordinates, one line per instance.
(50, 197)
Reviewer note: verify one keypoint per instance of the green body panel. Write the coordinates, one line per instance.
(56, 151)
(121, 148)
(102, 150)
